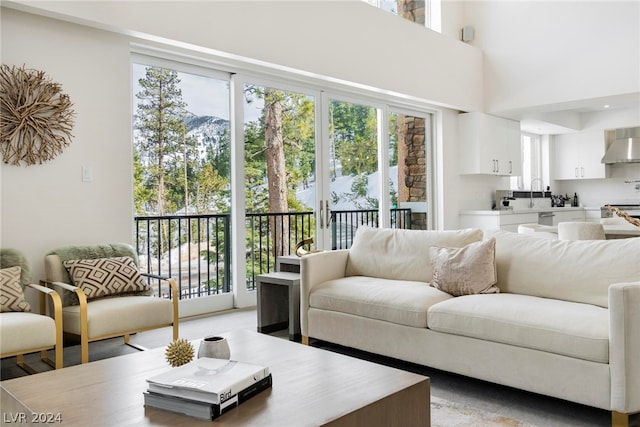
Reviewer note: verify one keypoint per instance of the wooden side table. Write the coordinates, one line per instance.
(279, 303)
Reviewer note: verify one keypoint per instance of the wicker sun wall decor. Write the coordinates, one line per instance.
(36, 117)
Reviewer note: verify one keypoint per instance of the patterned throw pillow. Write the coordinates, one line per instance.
(11, 294)
(465, 271)
(101, 277)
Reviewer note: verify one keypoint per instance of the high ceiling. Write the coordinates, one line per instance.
(568, 117)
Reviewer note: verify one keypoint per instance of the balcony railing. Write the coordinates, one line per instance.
(195, 249)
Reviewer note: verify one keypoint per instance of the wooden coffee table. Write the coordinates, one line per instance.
(311, 387)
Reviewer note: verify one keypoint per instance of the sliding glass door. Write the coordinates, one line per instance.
(354, 178)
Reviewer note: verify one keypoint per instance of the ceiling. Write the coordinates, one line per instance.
(568, 117)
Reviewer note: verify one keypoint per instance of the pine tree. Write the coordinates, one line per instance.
(161, 126)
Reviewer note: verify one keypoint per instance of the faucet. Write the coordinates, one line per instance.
(531, 194)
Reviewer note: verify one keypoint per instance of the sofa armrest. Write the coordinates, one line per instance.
(318, 268)
(624, 346)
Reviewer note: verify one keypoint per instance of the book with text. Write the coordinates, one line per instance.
(204, 410)
(207, 380)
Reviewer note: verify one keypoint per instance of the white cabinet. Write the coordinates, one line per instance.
(489, 145)
(514, 148)
(592, 214)
(578, 155)
(496, 220)
(571, 215)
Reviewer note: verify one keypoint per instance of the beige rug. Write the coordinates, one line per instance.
(445, 413)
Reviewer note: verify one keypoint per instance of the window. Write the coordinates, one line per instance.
(532, 165)
(182, 174)
(309, 163)
(423, 12)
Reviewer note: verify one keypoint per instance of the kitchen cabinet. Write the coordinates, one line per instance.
(510, 220)
(491, 220)
(579, 155)
(570, 215)
(592, 214)
(489, 145)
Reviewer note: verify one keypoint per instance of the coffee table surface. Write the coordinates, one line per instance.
(311, 387)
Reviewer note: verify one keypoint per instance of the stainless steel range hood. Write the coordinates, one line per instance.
(623, 146)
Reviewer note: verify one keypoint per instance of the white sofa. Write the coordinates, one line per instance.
(566, 322)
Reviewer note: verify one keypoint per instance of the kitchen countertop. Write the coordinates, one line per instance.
(611, 231)
(523, 210)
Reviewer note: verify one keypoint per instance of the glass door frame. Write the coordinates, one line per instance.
(382, 155)
(145, 57)
(430, 150)
(244, 297)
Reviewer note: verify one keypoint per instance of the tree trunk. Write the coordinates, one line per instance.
(276, 174)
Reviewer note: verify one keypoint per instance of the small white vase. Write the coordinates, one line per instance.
(214, 347)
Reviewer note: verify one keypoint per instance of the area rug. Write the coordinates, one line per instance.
(445, 413)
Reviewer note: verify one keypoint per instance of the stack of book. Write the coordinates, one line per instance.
(205, 387)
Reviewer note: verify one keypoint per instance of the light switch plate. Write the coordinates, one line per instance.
(87, 174)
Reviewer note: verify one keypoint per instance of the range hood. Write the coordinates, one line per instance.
(624, 147)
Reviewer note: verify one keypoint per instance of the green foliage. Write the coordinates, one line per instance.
(298, 132)
(354, 130)
(162, 129)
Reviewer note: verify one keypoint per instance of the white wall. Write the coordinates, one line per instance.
(347, 40)
(46, 206)
(548, 52)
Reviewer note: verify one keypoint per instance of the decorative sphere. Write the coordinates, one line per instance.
(179, 352)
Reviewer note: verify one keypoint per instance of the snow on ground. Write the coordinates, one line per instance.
(342, 185)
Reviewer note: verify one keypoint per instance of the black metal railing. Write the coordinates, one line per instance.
(196, 249)
(193, 249)
(345, 223)
(270, 235)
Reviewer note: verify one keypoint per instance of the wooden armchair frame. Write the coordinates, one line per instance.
(84, 334)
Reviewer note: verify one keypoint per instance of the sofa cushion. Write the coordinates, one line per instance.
(100, 277)
(401, 254)
(396, 301)
(561, 327)
(11, 293)
(465, 271)
(579, 271)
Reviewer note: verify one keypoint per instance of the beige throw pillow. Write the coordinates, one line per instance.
(101, 277)
(11, 294)
(465, 271)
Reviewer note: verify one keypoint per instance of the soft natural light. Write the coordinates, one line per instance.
(432, 10)
(531, 163)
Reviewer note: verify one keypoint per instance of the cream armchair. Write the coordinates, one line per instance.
(105, 296)
(21, 330)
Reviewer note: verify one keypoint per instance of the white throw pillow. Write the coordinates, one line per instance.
(465, 271)
(396, 254)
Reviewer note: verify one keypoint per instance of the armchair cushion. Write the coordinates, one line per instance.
(23, 331)
(101, 277)
(11, 293)
(125, 313)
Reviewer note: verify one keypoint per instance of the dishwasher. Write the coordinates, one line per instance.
(545, 218)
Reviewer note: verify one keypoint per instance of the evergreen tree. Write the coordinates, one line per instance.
(162, 129)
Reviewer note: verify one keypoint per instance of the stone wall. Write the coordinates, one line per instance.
(412, 169)
(413, 10)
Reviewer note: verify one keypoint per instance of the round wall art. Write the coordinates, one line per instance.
(36, 117)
